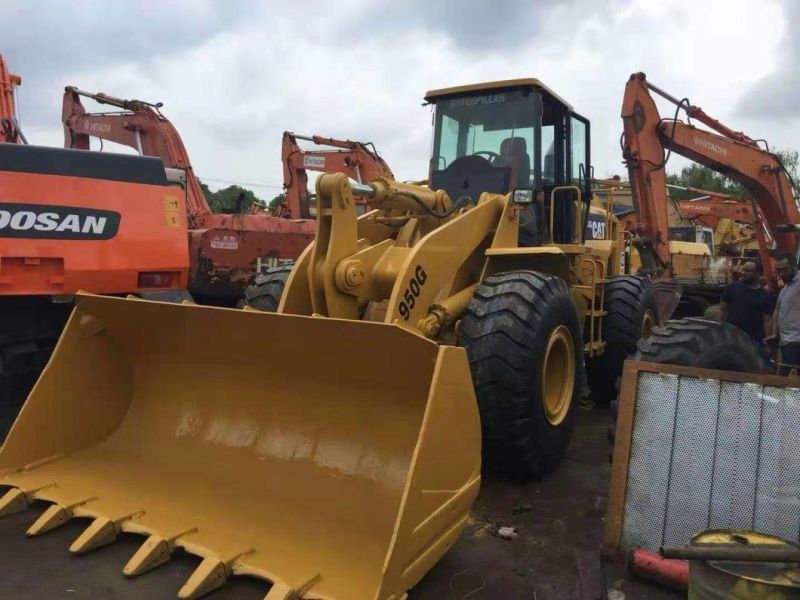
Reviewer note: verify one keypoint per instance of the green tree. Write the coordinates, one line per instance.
(791, 162)
(704, 178)
(233, 198)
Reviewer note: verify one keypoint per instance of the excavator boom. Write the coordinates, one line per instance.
(226, 250)
(142, 127)
(359, 161)
(9, 126)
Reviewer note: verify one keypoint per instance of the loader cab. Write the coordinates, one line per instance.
(501, 136)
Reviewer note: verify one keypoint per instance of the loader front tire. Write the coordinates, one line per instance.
(265, 292)
(525, 350)
(29, 330)
(630, 316)
(705, 343)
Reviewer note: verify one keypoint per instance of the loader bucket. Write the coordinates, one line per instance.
(336, 459)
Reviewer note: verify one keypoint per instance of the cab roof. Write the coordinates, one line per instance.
(433, 95)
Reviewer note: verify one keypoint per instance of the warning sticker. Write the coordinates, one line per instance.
(172, 211)
(225, 242)
(314, 162)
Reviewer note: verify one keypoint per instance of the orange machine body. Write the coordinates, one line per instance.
(69, 223)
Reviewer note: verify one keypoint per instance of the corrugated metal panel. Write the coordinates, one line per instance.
(711, 454)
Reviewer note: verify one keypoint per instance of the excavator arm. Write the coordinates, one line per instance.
(140, 126)
(9, 126)
(647, 140)
(359, 161)
(720, 209)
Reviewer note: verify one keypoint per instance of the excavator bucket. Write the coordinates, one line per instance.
(336, 459)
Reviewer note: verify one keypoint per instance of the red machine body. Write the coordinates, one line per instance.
(226, 250)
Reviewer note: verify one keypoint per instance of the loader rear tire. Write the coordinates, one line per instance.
(265, 292)
(699, 342)
(525, 350)
(631, 315)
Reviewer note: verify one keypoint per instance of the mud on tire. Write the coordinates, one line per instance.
(514, 320)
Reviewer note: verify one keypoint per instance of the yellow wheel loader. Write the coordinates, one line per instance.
(338, 455)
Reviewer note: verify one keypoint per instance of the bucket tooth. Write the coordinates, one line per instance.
(281, 591)
(102, 531)
(55, 516)
(13, 502)
(154, 552)
(207, 577)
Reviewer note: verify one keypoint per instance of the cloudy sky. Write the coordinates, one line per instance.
(234, 74)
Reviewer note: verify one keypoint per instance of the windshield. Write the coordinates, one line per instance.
(479, 125)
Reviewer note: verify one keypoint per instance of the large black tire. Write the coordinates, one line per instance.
(631, 313)
(514, 321)
(698, 342)
(29, 330)
(265, 292)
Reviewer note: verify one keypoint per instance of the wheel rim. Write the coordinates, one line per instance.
(648, 322)
(558, 375)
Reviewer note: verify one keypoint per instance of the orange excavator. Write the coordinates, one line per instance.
(226, 250)
(358, 160)
(72, 220)
(711, 206)
(9, 126)
(647, 142)
(732, 219)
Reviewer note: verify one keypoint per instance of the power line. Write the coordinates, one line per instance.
(242, 183)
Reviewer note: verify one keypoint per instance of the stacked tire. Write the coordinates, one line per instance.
(705, 343)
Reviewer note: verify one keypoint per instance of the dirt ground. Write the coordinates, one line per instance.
(560, 522)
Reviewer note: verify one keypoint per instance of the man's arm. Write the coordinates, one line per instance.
(774, 337)
(723, 302)
(769, 326)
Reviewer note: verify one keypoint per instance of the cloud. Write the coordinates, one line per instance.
(775, 96)
(234, 76)
(474, 26)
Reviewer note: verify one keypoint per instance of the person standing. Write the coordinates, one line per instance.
(748, 305)
(786, 330)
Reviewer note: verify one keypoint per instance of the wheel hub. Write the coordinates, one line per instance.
(558, 375)
(648, 322)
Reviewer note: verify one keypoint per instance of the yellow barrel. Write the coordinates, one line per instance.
(739, 580)
(337, 459)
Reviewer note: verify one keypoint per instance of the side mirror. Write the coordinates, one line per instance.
(523, 196)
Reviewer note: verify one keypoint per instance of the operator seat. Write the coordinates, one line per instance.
(514, 154)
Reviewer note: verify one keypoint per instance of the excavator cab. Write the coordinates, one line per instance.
(516, 134)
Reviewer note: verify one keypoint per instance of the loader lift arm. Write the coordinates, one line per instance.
(359, 161)
(140, 126)
(647, 141)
